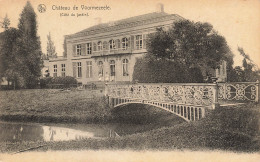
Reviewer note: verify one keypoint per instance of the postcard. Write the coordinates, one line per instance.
(129, 80)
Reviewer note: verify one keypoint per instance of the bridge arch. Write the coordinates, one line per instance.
(187, 112)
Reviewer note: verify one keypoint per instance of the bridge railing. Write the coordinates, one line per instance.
(196, 94)
(239, 91)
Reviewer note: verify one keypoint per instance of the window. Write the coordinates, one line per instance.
(55, 70)
(63, 70)
(100, 69)
(89, 69)
(124, 43)
(89, 48)
(79, 70)
(112, 68)
(125, 67)
(139, 41)
(78, 49)
(112, 44)
(99, 44)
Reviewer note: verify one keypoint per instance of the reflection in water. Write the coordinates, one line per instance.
(20, 132)
(64, 134)
(17, 132)
(113, 133)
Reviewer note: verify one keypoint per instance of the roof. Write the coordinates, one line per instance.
(155, 16)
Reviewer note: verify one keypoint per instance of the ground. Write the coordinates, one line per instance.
(44, 105)
(234, 128)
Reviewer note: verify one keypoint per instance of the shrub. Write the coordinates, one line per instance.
(148, 70)
(65, 81)
(231, 128)
(45, 81)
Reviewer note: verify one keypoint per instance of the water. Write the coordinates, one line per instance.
(17, 132)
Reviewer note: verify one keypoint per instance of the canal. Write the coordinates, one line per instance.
(17, 132)
(126, 121)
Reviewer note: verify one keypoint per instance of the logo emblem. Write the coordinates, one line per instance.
(41, 8)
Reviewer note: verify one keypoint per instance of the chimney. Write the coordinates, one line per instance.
(159, 8)
(98, 21)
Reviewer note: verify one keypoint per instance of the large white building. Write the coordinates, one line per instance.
(108, 51)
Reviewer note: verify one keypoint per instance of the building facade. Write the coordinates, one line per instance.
(107, 52)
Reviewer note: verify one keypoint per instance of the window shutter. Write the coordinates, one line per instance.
(91, 48)
(94, 47)
(87, 70)
(116, 43)
(132, 42)
(144, 41)
(104, 45)
(91, 72)
(74, 50)
(129, 42)
(83, 49)
(74, 64)
(107, 45)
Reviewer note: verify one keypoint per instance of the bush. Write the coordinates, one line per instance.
(45, 81)
(65, 81)
(148, 70)
(231, 128)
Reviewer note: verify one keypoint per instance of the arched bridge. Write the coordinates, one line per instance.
(189, 101)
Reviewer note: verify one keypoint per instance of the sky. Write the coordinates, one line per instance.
(237, 20)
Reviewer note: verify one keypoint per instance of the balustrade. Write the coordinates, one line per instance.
(188, 101)
(241, 91)
(112, 51)
(188, 94)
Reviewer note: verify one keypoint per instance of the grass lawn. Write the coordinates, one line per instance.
(233, 128)
(49, 105)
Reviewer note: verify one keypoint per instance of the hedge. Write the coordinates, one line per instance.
(63, 82)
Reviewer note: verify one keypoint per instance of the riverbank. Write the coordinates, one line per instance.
(50, 105)
(217, 131)
(56, 106)
(232, 128)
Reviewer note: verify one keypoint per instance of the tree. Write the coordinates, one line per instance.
(29, 46)
(44, 56)
(11, 63)
(51, 52)
(191, 47)
(6, 22)
(191, 44)
(247, 62)
(249, 72)
(21, 51)
(65, 48)
(27, 22)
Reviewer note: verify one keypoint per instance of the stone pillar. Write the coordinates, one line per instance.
(215, 103)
